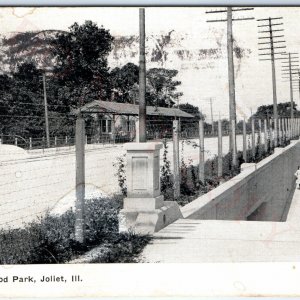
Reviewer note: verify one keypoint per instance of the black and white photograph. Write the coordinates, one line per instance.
(147, 135)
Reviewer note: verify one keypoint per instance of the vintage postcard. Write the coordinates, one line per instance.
(149, 151)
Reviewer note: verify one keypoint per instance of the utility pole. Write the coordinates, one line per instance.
(46, 111)
(231, 80)
(142, 79)
(289, 69)
(270, 40)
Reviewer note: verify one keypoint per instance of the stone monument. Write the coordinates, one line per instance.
(145, 210)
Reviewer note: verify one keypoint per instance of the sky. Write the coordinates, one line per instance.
(199, 84)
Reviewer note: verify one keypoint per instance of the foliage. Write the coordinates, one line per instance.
(166, 182)
(48, 240)
(284, 110)
(162, 88)
(51, 238)
(125, 83)
(22, 96)
(22, 105)
(101, 219)
(191, 109)
(82, 68)
(126, 248)
(121, 173)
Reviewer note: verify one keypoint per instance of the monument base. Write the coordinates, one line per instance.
(149, 221)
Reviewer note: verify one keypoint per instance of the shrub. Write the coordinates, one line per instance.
(48, 240)
(101, 219)
(51, 238)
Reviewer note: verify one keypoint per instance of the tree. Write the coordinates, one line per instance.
(22, 102)
(22, 105)
(125, 83)
(193, 110)
(162, 88)
(82, 68)
(284, 111)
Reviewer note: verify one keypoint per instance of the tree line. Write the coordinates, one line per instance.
(77, 74)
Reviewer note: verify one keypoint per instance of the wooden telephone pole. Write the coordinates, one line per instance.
(289, 69)
(272, 41)
(142, 80)
(231, 79)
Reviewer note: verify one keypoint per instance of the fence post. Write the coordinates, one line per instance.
(275, 132)
(271, 133)
(279, 132)
(201, 152)
(234, 152)
(113, 129)
(265, 136)
(176, 159)
(30, 143)
(253, 137)
(294, 128)
(66, 140)
(220, 152)
(137, 131)
(55, 141)
(244, 141)
(16, 141)
(80, 179)
(286, 129)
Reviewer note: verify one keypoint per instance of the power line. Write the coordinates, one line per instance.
(287, 73)
(231, 80)
(271, 40)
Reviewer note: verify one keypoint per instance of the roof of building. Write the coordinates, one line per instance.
(116, 108)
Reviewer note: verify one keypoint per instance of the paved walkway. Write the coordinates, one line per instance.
(194, 241)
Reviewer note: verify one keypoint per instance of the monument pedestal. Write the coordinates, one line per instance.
(145, 210)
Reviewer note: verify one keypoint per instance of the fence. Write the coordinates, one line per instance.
(250, 146)
(31, 186)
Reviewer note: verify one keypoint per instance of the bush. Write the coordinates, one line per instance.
(51, 238)
(101, 219)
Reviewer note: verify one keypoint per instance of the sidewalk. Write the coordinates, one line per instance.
(197, 241)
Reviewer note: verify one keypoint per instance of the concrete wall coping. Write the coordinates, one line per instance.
(210, 199)
(149, 146)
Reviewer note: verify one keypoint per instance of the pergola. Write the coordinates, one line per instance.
(112, 110)
(127, 109)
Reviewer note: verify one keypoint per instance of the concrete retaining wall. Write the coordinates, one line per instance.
(260, 192)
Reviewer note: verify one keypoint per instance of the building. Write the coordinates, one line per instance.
(113, 121)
